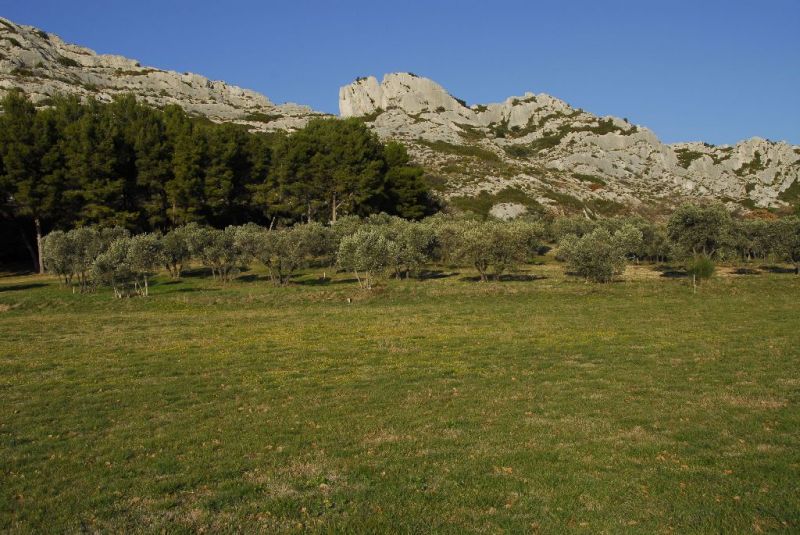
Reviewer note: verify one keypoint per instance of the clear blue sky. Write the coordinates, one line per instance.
(717, 71)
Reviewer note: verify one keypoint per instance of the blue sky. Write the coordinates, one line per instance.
(717, 71)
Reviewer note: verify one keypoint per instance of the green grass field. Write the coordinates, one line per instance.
(441, 405)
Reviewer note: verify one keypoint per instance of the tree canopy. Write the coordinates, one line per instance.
(124, 163)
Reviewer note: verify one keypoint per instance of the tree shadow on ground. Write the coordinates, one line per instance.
(429, 274)
(196, 272)
(19, 287)
(14, 271)
(746, 271)
(252, 277)
(671, 272)
(193, 290)
(319, 281)
(510, 277)
(778, 269)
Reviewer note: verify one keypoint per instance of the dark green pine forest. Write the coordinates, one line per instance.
(124, 163)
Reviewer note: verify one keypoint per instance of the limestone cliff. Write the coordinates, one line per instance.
(558, 154)
(43, 65)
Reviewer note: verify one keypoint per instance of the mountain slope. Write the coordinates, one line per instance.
(556, 154)
(43, 65)
(531, 150)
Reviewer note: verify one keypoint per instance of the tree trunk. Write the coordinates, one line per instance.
(481, 272)
(39, 245)
(29, 247)
(333, 208)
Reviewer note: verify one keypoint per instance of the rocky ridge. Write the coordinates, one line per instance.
(43, 65)
(545, 149)
(528, 151)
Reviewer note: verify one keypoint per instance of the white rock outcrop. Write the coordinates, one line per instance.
(43, 65)
(544, 146)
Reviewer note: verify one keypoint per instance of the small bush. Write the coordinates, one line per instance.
(67, 62)
(700, 268)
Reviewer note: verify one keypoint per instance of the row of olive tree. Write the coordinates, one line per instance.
(696, 235)
(381, 244)
(370, 248)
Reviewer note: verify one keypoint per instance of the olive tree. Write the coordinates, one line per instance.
(216, 249)
(495, 244)
(366, 253)
(751, 238)
(576, 225)
(57, 255)
(785, 241)
(411, 247)
(700, 230)
(175, 250)
(86, 247)
(630, 240)
(446, 230)
(285, 251)
(145, 255)
(597, 256)
(112, 268)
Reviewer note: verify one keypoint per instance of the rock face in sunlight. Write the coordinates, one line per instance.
(561, 155)
(43, 65)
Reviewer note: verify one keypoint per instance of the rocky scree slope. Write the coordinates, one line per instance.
(546, 152)
(43, 65)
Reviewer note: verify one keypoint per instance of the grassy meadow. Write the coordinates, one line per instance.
(535, 404)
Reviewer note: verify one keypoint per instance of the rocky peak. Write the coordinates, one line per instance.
(556, 153)
(405, 91)
(43, 65)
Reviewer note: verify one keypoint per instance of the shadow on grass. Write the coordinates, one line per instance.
(435, 274)
(323, 282)
(193, 290)
(252, 277)
(511, 277)
(19, 287)
(671, 272)
(746, 271)
(196, 272)
(778, 269)
(13, 271)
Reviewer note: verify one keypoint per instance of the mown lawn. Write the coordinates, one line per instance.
(439, 405)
